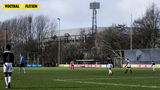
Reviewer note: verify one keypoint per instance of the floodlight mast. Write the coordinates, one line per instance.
(94, 6)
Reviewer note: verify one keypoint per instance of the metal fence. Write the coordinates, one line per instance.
(143, 56)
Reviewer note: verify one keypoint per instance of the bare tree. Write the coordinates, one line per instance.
(146, 29)
(43, 27)
(28, 34)
(111, 41)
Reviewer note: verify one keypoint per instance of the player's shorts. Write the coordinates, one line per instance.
(7, 67)
(72, 65)
(109, 65)
(153, 66)
(22, 65)
(128, 66)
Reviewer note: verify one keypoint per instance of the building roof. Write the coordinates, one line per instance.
(76, 31)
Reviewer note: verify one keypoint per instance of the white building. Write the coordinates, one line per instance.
(77, 31)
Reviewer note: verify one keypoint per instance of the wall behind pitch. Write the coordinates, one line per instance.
(143, 56)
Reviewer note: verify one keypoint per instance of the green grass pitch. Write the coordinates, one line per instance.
(52, 78)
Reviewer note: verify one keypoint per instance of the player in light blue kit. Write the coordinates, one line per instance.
(22, 63)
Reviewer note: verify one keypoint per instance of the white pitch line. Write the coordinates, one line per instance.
(113, 84)
(89, 79)
(112, 78)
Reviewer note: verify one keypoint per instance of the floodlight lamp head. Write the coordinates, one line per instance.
(95, 5)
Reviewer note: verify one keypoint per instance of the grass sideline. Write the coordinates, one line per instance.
(53, 78)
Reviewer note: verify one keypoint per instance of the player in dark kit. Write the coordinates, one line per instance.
(153, 66)
(109, 65)
(8, 59)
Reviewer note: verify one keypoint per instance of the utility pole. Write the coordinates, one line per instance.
(59, 42)
(131, 30)
(5, 41)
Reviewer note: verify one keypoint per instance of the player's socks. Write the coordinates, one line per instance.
(153, 69)
(19, 70)
(24, 70)
(110, 72)
(9, 82)
(6, 81)
(9, 85)
(9, 79)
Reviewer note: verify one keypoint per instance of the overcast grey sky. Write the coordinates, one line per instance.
(76, 13)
